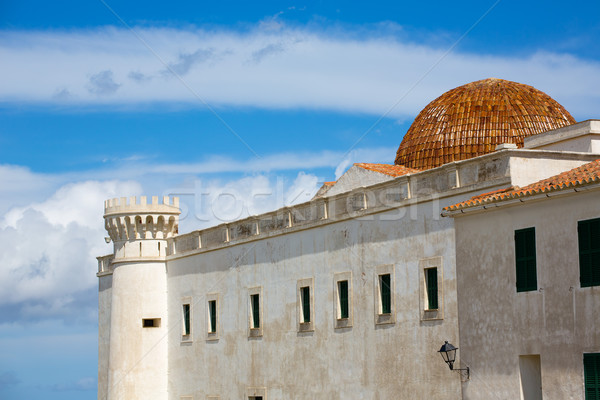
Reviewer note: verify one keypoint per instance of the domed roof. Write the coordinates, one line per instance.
(471, 120)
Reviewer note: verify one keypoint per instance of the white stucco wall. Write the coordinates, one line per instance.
(366, 361)
(137, 367)
(104, 312)
(559, 321)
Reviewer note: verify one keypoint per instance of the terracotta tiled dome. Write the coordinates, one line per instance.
(471, 120)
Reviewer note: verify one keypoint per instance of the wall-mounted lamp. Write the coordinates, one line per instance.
(448, 352)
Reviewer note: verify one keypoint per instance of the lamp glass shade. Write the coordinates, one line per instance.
(448, 352)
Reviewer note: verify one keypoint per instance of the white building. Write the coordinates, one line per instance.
(351, 295)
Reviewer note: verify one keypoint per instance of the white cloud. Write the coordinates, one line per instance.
(51, 247)
(48, 268)
(269, 68)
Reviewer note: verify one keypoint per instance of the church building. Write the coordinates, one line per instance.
(484, 233)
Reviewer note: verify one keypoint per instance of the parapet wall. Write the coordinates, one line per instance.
(133, 220)
(123, 206)
(474, 175)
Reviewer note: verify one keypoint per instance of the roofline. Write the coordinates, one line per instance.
(492, 205)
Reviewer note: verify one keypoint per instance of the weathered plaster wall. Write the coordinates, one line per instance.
(559, 321)
(583, 136)
(137, 361)
(104, 312)
(365, 361)
(587, 143)
(527, 170)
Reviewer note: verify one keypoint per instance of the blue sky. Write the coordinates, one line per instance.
(237, 107)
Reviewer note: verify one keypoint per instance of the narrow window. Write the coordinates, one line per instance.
(255, 304)
(151, 322)
(385, 293)
(187, 327)
(591, 373)
(431, 283)
(305, 299)
(525, 260)
(212, 316)
(589, 252)
(343, 299)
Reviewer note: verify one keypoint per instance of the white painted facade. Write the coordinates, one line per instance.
(368, 227)
(502, 330)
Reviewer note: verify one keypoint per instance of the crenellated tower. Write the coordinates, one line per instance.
(133, 280)
(140, 230)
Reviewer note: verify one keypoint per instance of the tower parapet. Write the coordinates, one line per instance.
(138, 228)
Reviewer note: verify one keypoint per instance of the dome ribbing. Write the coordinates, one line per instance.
(471, 120)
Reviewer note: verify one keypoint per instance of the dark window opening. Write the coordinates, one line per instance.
(385, 293)
(186, 320)
(212, 311)
(305, 300)
(151, 322)
(431, 282)
(255, 304)
(343, 299)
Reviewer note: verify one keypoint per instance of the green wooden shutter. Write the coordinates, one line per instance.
(591, 372)
(432, 288)
(386, 293)
(343, 295)
(305, 297)
(255, 300)
(589, 252)
(525, 260)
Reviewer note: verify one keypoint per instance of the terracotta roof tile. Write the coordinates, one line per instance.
(586, 174)
(388, 169)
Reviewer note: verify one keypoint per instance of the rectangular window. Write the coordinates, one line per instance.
(431, 284)
(525, 260)
(431, 293)
(385, 293)
(589, 252)
(255, 304)
(255, 312)
(305, 305)
(212, 314)
(305, 301)
(591, 373)
(151, 322)
(343, 299)
(187, 320)
(342, 304)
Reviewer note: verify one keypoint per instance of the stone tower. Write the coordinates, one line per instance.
(133, 290)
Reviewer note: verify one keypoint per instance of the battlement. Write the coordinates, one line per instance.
(129, 205)
(132, 220)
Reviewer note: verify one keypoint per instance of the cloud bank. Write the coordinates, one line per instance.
(268, 67)
(54, 228)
